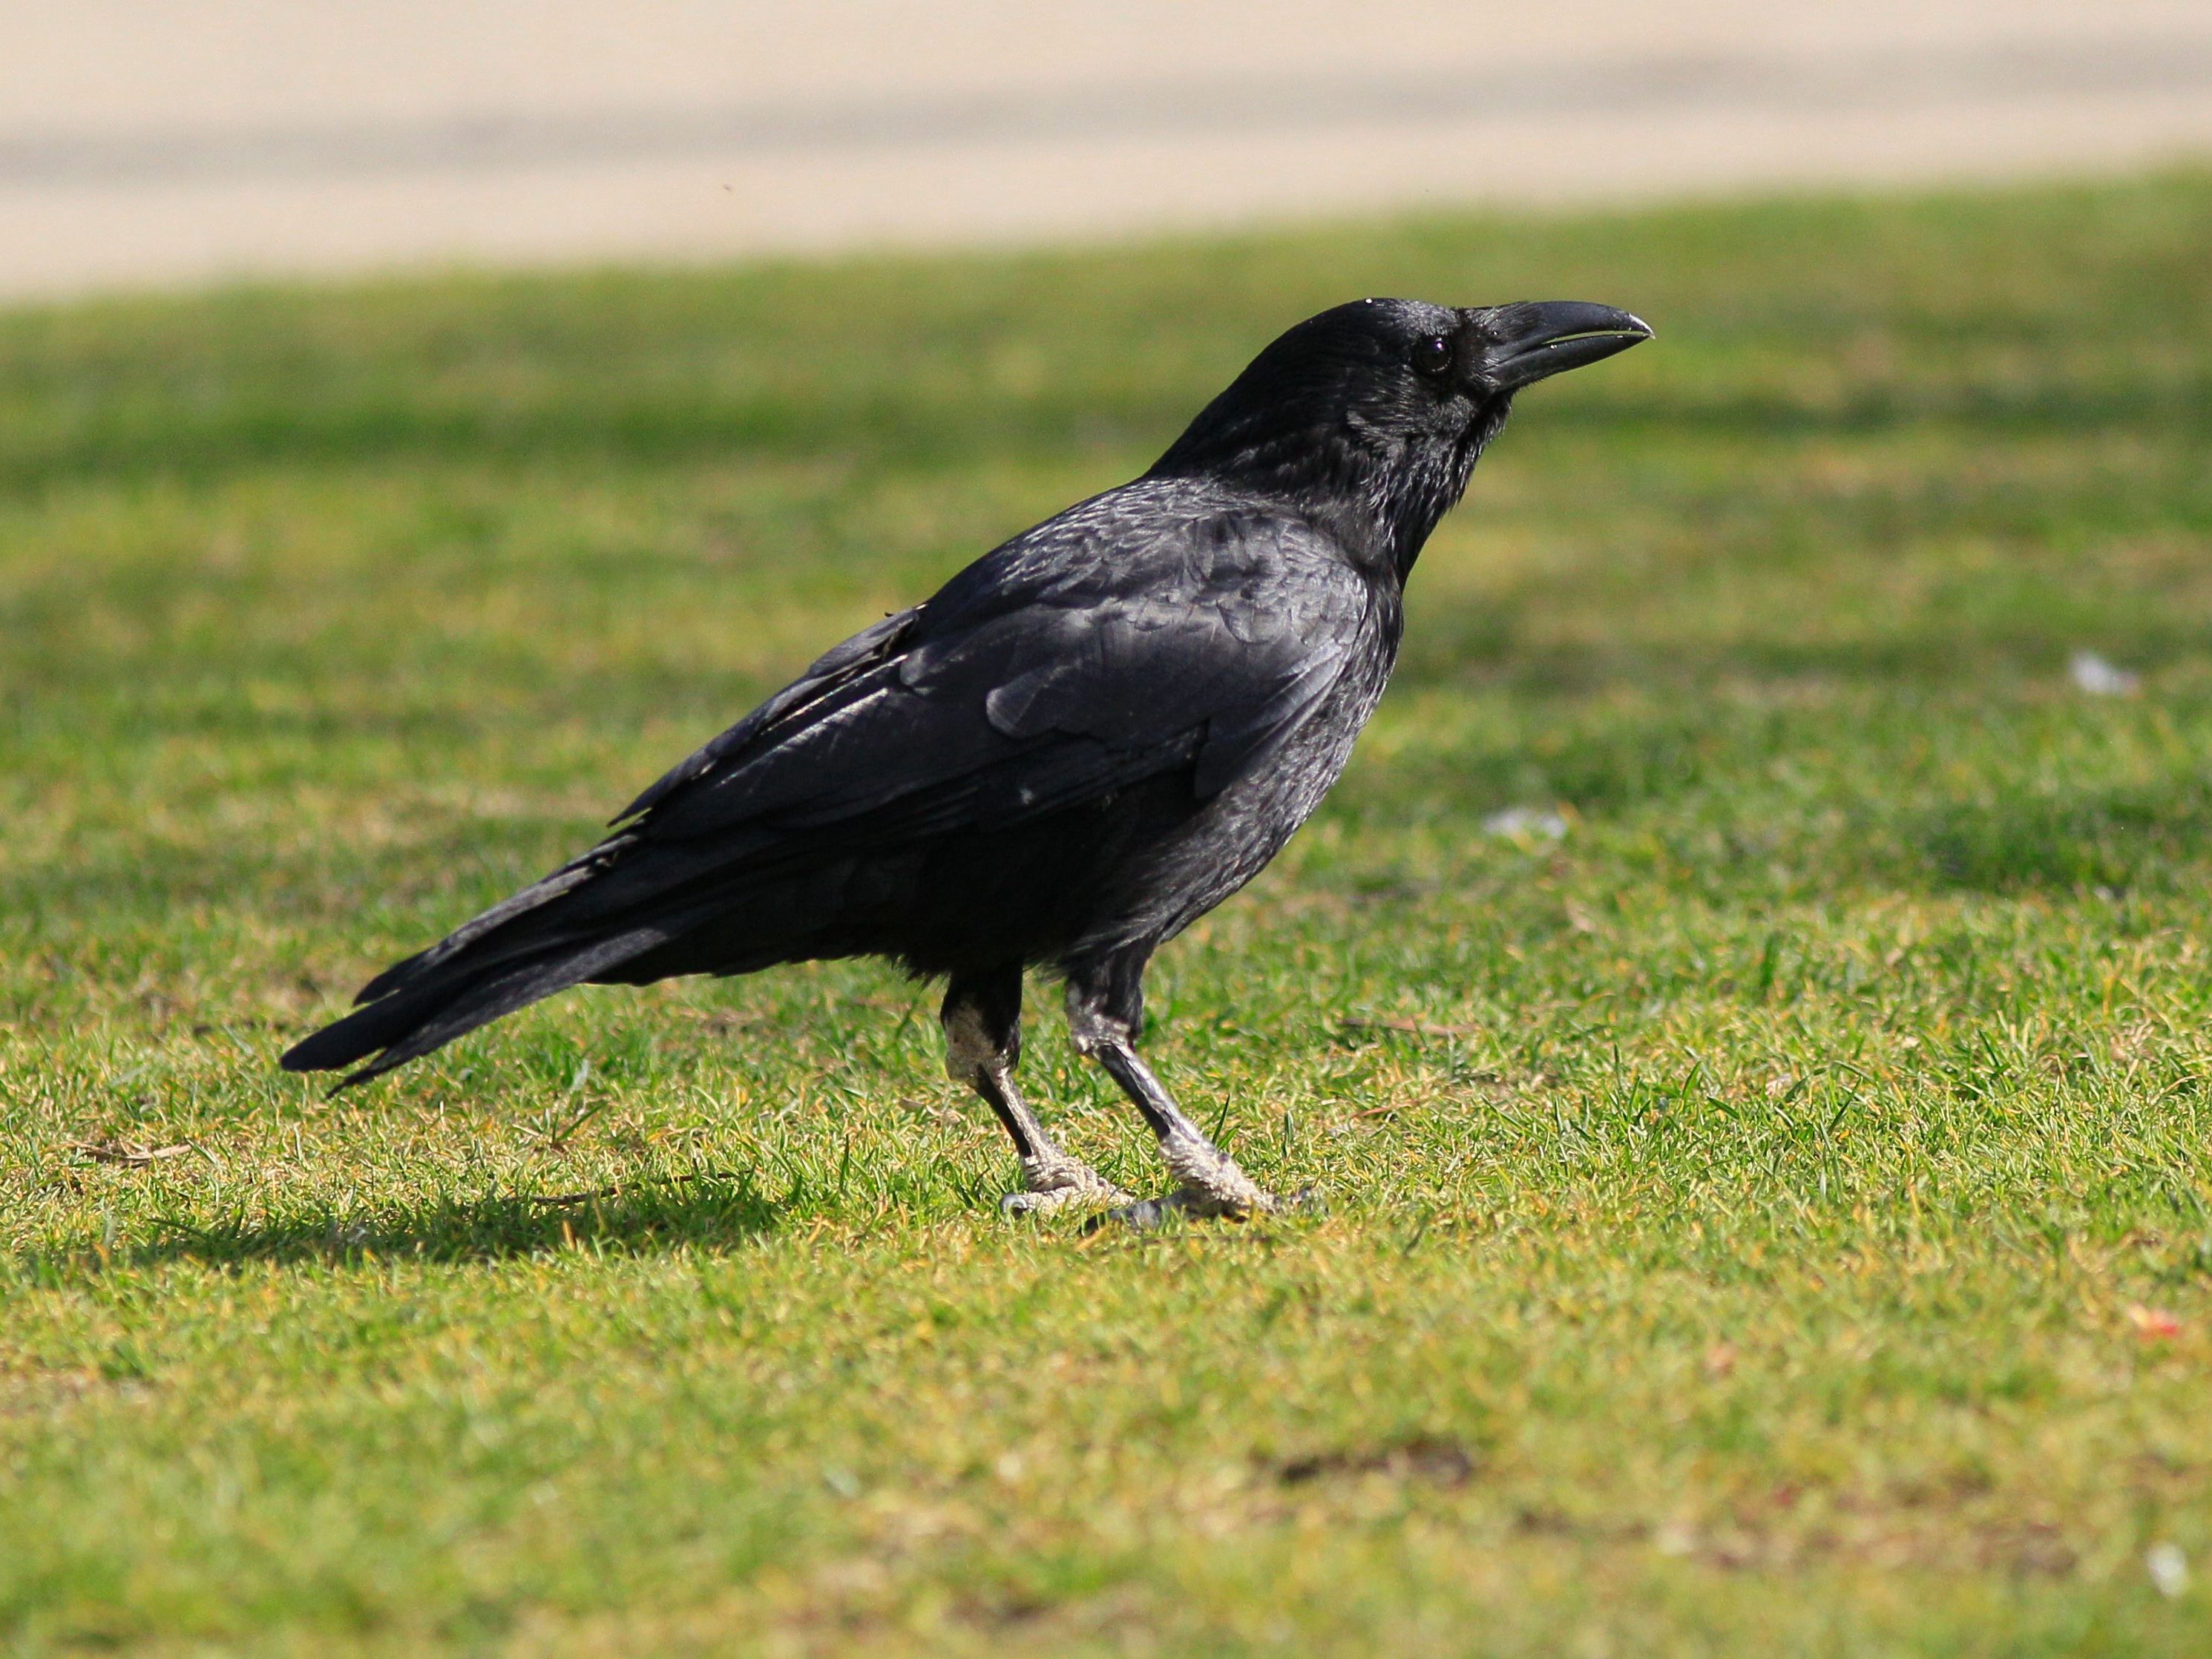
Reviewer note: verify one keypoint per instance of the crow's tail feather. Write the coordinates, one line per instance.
(452, 999)
(613, 914)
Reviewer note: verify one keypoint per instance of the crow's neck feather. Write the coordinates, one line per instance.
(1382, 497)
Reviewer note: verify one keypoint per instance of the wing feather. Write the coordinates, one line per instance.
(1032, 700)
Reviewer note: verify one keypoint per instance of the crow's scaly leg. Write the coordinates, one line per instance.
(982, 1021)
(1105, 1010)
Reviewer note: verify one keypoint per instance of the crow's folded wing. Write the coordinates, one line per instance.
(1024, 691)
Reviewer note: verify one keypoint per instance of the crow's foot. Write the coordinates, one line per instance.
(1199, 1204)
(1059, 1186)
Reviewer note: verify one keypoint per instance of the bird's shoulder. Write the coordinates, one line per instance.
(1165, 601)
(1156, 544)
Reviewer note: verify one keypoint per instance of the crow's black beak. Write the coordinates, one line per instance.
(1536, 338)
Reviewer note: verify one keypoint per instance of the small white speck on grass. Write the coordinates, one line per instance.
(2168, 1568)
(1526, 824)
(844, 1482)
(2099, 678)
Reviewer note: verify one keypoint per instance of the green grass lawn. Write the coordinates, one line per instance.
(1771, 1219)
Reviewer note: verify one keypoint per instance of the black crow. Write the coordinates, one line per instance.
(1082, 743)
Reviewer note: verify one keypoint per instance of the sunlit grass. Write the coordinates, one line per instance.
(1770, 1218)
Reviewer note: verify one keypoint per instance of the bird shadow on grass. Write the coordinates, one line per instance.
(707, 1210)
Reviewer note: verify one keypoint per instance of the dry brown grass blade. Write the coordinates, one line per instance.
(135, 1158)
(1411, 1027)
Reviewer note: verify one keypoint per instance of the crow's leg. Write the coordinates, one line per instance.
(982, 1020)
(1105, 1010)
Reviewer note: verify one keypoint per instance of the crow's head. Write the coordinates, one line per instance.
(1375, 411)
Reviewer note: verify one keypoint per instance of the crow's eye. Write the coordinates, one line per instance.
(1433, 356)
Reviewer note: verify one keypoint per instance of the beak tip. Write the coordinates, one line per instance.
(1535, 340)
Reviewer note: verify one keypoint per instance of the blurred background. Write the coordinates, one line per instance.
(169, 141)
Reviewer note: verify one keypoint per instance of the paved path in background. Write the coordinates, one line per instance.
(170, 141)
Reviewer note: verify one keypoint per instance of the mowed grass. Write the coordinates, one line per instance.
(1770, 1218)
